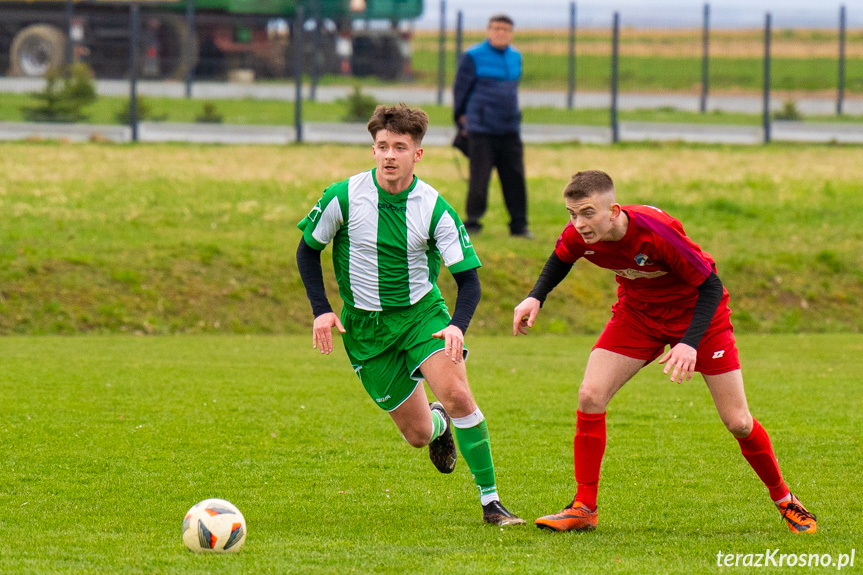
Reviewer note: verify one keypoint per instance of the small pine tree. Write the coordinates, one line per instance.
(209, 115)
(143, 111)
(789, 111)
(360, 106)
(63, 98)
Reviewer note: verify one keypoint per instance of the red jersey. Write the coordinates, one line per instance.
(655, 261)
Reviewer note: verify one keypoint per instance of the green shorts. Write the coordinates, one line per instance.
(387, 348)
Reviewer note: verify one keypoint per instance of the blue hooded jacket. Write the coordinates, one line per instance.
(486, 89)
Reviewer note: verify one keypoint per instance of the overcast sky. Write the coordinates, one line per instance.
(648, 13)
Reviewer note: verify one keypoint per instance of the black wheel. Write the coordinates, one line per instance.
(37, 49)
(174, 44)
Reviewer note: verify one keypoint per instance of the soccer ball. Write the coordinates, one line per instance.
(214, 526)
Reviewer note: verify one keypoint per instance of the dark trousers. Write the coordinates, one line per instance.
(506, 153)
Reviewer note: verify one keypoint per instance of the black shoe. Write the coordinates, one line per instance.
(524, 233)
(496, 514)
(473, 228)
(442, 450)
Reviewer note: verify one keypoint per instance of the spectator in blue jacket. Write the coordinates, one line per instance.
(486, 108)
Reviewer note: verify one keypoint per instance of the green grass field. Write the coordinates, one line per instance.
(165, 239)
(666, 60)
(108, 440)
(665, 74)
(276, 112)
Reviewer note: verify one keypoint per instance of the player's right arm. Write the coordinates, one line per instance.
(319, 228)
(525, 313)
(312, 274)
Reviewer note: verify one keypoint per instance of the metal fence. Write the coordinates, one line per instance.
(700, 60)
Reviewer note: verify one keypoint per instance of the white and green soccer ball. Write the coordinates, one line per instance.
(214, 526)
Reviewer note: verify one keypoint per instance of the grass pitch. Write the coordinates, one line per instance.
(106, 441)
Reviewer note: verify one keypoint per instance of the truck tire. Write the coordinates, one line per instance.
(37, 49)
(175, 41)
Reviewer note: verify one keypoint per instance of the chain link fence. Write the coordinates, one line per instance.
(702, 63)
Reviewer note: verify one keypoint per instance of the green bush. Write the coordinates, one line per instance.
(64, 97)
(209, 115)
(789, 111)
(360, 106)
(143, 110)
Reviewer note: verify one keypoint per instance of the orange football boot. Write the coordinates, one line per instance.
(576, 517)
(798, 518)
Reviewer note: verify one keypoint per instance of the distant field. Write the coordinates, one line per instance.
(670, 60)
(107, 441)
(201, 239)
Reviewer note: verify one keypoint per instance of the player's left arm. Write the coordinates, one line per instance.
(682, 357)
(466, 302)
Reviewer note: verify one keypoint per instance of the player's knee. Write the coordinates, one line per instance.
(416, 438)
(458, 400)
(739, 425)
(590, 399)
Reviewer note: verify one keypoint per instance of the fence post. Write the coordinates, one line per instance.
(134, 33)
(67, 56)
(705, 59)
(299, 21)
(765, 116)
(190, 48)
(615, 42)
(459, 37)
(441, 60)
(316, 47)
(840, 93)
(570, 94)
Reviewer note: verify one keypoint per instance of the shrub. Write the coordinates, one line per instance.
(209, 115)
(64, 97)
(789, 111)
(143, 111)
(360, 106)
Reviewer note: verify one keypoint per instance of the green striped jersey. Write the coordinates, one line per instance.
(387, 249)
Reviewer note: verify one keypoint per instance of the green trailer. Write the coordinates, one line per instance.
(253, 36)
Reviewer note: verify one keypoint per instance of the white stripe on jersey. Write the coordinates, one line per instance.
(448, 240)
(420, 207)
(363, 230)
(329, 223)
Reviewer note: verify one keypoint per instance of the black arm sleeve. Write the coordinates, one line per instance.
(469, 294)
(552, 274)
(312, 274)
(709, 296)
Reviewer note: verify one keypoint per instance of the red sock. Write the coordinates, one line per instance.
(758, 451)
(588, 448)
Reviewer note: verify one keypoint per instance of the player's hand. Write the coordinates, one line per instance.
(524, 315)
(322, 331)
(453, 342)
(682, 358)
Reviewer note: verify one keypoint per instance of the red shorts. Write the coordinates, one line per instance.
(634, 333)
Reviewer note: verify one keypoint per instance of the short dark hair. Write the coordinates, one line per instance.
(401, 120)
(501, 18)
(586, 183)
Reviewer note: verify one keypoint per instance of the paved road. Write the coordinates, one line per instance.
(437, 136)
(414, 95)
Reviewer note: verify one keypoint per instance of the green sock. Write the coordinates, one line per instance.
(438, 424)
(475, 447)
